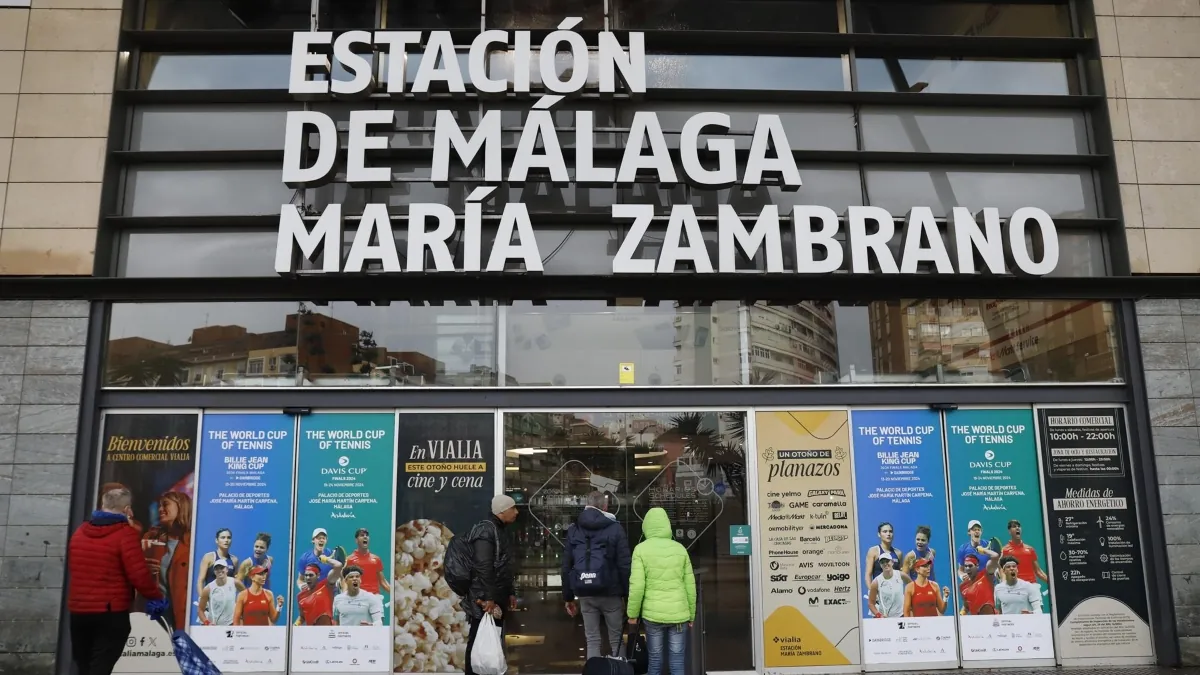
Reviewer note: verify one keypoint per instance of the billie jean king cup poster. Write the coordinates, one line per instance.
(345, 479)
(243, 535)
(1000, 549)
(904, 547)
(154, 456)
(445, 482)
(1099, 584)
(809, 593)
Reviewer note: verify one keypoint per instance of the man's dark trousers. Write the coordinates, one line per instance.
(97, 641)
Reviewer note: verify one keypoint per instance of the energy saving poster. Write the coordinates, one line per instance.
(445, 483)
(1099, 585)
(241, 560)
(154, 457)
(997, 532)
(907, 564)
(342, 574)
(810, 585)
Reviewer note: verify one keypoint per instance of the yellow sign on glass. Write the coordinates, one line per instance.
(625, 373)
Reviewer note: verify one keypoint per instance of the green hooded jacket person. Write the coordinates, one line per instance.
(662, 587)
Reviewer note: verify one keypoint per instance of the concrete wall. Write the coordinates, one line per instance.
(57, 64)
(1151, 58)
(41, 365)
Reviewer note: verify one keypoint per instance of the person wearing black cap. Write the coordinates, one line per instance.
(492, 580)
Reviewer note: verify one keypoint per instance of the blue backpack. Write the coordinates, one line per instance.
(590, 571)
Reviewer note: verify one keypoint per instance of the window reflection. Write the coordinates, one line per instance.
(807, 128)
(441, 14)
(966, 76)
(804, 16)
(962, 18)
(228, 15)
(691, 464)
(710, 71)
(213, 71)
(980, 131)
(300, 344)
(346, 14)
(197, 254)
(544, 13)
(243, 190)
(209, 127)
(1063, 193)
(584, 344)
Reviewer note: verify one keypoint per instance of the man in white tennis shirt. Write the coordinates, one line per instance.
(357, 607)
(1014, 595)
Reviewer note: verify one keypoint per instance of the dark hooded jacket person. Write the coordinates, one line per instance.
(606, 535)
(492, 580)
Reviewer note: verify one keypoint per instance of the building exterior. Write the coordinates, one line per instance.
(142, 143)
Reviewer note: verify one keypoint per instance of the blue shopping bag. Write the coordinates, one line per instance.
(191, 658)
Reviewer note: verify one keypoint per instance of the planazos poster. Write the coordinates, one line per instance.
(810, 584)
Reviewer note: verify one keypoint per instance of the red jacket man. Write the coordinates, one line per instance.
(105, 564)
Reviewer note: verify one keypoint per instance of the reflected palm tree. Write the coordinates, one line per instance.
(155, 370)
(724, 460)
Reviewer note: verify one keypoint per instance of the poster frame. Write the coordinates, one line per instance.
(104, 414)
(928, 665)
(1137, 504)
(307, 412)
(756, 550)
(1007, 663)
(287, 643)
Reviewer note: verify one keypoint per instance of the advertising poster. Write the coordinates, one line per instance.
(908, 571)
(810, 584)
(154, 457)
(243, 538)
(1099, 586)
(997, 531)
(445, 483)
(343, 553)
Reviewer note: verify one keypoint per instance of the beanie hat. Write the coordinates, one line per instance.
(502, 503)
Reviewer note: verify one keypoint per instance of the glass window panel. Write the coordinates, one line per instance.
(1023, 19)
(976, 131)
(584, 343)
(832, 186)
(1063, 193)
(208, 127)
(500, 65)
(1080, 254)
(164, 190)
(412, 63)
(227, 15)
(300, 344)
(197, 254)
(213, 71)
(804, 16)
(966, 76)
(544, 13)
(347, 14)
(667, 459)
(440, 14)
(932, 341)
(807, 128)
(723, 71)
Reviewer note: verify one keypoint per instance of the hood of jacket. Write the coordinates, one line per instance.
(104, 524)
(657, 525)
(594, 519)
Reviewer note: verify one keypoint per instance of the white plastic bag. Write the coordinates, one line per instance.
(487, 654)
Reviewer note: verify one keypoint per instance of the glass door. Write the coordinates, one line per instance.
(690, 463)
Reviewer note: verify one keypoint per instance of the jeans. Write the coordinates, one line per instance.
(97, 641)
(676, 643)
(610, 611)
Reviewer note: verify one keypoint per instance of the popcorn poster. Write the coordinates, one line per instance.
(445, 482)
(342, 574)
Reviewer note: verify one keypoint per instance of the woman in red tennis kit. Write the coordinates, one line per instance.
(256, 606)
(923, 597)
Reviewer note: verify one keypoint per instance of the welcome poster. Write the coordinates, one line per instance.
(244, 527)
(904, 543)
(345, 475)
(996, 507)
(810, 585)
(154, 457)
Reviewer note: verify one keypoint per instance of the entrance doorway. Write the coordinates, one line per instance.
(692, 463)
